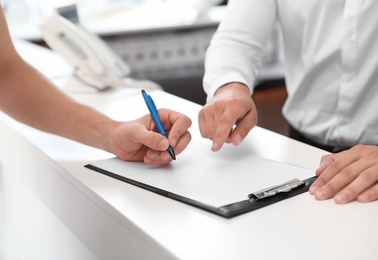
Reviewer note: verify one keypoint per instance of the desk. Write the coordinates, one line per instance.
(103, 218)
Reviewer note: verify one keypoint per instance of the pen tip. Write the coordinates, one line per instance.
(172, 153)
(143, 91)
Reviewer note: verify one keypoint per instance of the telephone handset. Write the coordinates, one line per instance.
(94, 61)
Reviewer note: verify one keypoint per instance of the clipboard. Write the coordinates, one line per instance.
(227, 183)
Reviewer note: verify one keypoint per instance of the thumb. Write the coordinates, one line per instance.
(163, 144)
(154, 141)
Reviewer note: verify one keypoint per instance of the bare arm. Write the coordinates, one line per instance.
(29, 97)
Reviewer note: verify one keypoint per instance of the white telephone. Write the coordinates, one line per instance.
(94, 61)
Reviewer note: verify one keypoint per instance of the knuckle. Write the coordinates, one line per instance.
(358, 147)
(233, 100)
(201, 113)
(331, 189)
(321, 180)
(325, 157)
(348, 174)
(335, 166)
(219, 105)
(369, 176)
(189, 122)
(207, 113)
(243, 131)
(329, 158)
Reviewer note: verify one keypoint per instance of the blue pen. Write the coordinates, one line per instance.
(155, 116)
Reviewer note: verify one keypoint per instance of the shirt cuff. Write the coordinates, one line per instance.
(211, 87)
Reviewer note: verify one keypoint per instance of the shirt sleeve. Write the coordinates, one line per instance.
(236, 49)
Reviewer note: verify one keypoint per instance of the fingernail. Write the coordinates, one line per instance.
(363, 197)
(215, 146)
(163, 144)
(314, 188)
(174, 142)
(238, 140)
(341, 198)
(147, 160)
(320, 194)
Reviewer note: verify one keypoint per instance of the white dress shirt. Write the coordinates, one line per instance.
(331, 59)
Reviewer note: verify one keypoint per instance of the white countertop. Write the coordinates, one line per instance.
(297, 228)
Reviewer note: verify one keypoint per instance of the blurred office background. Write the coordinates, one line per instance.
(161, 40)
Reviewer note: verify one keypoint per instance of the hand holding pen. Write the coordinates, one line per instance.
(137, 140)
(158, 123)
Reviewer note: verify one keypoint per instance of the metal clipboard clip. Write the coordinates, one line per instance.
(271, 191)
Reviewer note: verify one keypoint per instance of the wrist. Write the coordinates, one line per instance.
(109, 136)
(233, 88)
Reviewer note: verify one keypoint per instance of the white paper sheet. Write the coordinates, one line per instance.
(213, 178)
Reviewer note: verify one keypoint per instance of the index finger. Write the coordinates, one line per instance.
(177, 124)
(223, 132)
(233, 129)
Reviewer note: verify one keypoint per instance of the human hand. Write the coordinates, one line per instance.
(348, 175)
(231, 106)
(138, 140)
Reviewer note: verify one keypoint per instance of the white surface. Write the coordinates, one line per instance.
(100, 210)
(52, 65)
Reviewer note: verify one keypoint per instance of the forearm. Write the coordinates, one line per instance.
(30, 98)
